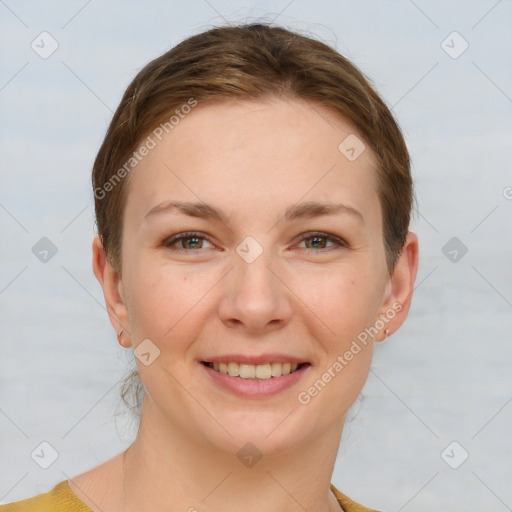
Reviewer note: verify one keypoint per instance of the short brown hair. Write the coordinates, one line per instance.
(251, 61)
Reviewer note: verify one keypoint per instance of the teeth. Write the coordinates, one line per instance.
(263, 371)
(251, 371)
(275, 369)
(233, 369)
(247, 371)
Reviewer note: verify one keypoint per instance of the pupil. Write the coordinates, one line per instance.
(315, 240)
(193, 238)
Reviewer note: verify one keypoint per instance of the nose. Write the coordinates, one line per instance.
(254, 299)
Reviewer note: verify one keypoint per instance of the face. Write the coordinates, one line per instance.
(273, 269)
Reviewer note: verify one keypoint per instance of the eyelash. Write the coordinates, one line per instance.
(306, 236)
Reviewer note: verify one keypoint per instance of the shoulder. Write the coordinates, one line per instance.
(60, 499)
(347, 504)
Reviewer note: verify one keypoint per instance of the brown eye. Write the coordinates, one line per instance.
(320, 241)
(316, 242)
(188, 241)
(194, 241)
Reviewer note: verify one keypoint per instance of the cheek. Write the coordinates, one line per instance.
(343, 306)
(343, 300)
(165, 298)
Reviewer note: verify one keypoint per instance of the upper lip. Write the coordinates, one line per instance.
(254, 359)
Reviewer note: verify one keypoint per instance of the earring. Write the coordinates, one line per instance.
(119, 334)
(386, 332)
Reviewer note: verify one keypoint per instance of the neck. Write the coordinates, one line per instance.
(163, 467)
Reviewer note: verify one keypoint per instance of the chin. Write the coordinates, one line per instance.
(271, 433)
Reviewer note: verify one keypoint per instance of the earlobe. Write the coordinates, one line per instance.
(399, 288)
(113, 291)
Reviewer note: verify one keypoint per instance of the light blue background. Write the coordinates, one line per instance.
(445, 376)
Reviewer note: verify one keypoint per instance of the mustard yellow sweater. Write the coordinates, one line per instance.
(62, 499)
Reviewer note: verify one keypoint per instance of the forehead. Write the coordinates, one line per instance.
(256, 156)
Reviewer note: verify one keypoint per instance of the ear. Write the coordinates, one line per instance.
(113, 292)
(399, 288)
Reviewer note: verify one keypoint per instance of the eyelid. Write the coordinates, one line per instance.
(181, 236)
(303, 236)
(331, 238)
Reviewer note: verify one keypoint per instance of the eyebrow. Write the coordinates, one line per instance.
(304, 210)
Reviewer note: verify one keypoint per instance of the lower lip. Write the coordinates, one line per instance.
(256, 388)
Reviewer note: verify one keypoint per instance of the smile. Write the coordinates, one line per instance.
(263, 371)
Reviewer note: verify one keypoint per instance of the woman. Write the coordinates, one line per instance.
(253, 197)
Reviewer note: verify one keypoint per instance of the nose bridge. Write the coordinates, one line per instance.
(255, 297)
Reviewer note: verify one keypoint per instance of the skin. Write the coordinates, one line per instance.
(252, 159)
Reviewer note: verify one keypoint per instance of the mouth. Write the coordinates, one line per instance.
(265, 371)
(253, 377)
